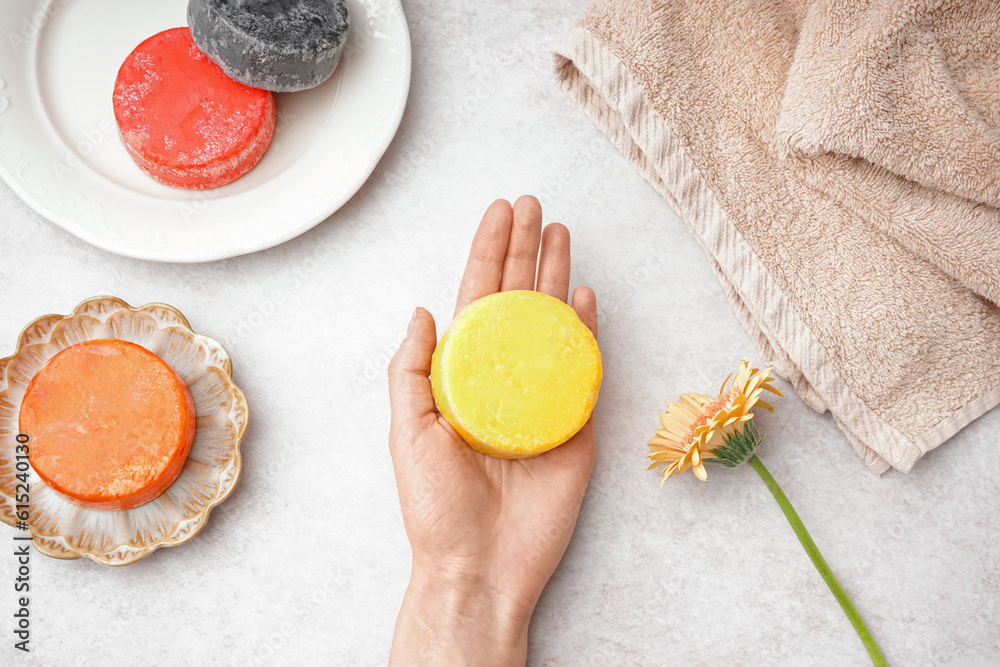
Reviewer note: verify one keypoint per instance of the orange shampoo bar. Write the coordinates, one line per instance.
(109, 423)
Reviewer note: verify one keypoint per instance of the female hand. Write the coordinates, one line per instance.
(486, 533)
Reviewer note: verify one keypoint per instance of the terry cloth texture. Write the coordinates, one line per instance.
(839, 161)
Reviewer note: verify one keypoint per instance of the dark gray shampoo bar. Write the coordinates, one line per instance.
(279, 45)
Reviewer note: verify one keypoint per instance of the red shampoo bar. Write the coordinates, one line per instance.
(183, 121)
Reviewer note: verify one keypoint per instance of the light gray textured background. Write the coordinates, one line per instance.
(695, 574)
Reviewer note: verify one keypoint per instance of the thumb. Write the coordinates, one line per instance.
(410, 396)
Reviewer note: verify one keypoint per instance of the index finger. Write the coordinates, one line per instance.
(489, 247)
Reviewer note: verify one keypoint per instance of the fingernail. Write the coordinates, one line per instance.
(413, 321)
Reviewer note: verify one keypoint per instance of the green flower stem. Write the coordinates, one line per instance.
(817, 558)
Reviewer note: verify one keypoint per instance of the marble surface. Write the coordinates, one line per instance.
(307, 562)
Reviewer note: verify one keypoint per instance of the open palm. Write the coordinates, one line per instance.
(504, 523)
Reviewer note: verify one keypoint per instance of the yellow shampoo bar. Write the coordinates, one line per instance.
(516, 374)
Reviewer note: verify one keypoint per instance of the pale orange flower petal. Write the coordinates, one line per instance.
(697, 424)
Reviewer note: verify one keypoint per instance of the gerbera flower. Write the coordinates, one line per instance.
(701, 428)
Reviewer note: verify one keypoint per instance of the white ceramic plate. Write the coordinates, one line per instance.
(60, 150)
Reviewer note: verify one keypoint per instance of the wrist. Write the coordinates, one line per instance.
(455, 615)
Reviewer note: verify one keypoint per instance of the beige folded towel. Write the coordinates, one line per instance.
(912, 88)
(837, 161)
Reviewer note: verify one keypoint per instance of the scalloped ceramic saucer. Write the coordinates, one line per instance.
(118, 537)
(61, 153)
